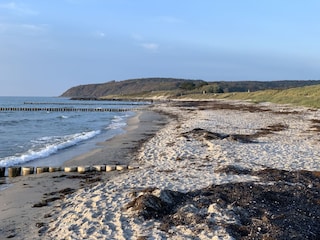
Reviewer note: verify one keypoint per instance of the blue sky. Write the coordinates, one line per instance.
(49, 46)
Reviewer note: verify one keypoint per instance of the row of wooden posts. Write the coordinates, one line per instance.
(28, 109)
(27, 170)
(84, 103)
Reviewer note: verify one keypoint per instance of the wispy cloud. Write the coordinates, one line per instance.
(150, 46)
(23, 28)
(142, 42)
(99, 34)
(19, 9)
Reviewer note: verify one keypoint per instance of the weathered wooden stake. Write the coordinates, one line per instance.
(133, 167)
(121, 167)
(83, 169)
(110, 168)
(99, 168)
(54, 169)
(14, 171)
(42, 169)
(70, 169)
(27, 171)
(2, 171)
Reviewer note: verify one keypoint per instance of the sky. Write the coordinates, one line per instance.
(49, 46)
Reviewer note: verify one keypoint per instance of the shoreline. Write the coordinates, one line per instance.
(18, 216)
(216, 170)
(194, 173)
(63, 155)
(118, 149)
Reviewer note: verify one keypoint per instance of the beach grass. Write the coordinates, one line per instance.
(308, 96)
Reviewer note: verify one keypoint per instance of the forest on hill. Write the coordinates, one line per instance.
(177, 86)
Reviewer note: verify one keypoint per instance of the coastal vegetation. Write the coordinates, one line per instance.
(133, 87)
(303, 93)
(308, 96)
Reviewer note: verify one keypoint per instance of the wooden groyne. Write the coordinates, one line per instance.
(17, 171)
(29, 109)
(88, 104)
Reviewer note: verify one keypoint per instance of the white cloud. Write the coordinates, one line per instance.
(99, 34)
(140, 40)
(22, 28)
(150, 46)
(19, 9)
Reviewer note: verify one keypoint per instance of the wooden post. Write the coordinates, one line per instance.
(83, 169)
(110, 168)
(99, 168)
(2, 171)
(42, 169)
(121, 167)
(133, 167)
(54, 169)
(103, 168)
(27, 171)
(70, 169)
(14, 171)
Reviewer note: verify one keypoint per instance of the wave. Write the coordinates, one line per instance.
(46, 146)
(117, 122)
(63, 117)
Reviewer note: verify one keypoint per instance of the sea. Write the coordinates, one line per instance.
(49, 138)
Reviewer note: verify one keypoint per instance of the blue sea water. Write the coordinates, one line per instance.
(44, 137)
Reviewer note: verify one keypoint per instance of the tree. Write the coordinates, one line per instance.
(187, 85)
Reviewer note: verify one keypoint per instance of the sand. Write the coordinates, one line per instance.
(20, 220)
(182, 164)
(121, 149)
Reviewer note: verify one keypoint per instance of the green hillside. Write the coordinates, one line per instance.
(284, 92)
(132, 86)
(172, 87)
(308, 96)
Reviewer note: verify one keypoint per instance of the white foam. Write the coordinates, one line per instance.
(46, 146)
(117, 122)
(63, 117)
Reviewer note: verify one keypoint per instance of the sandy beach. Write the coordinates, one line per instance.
(20, 220)
(214, 170)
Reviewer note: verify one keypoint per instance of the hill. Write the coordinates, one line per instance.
(132, 86)
(173, 87)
